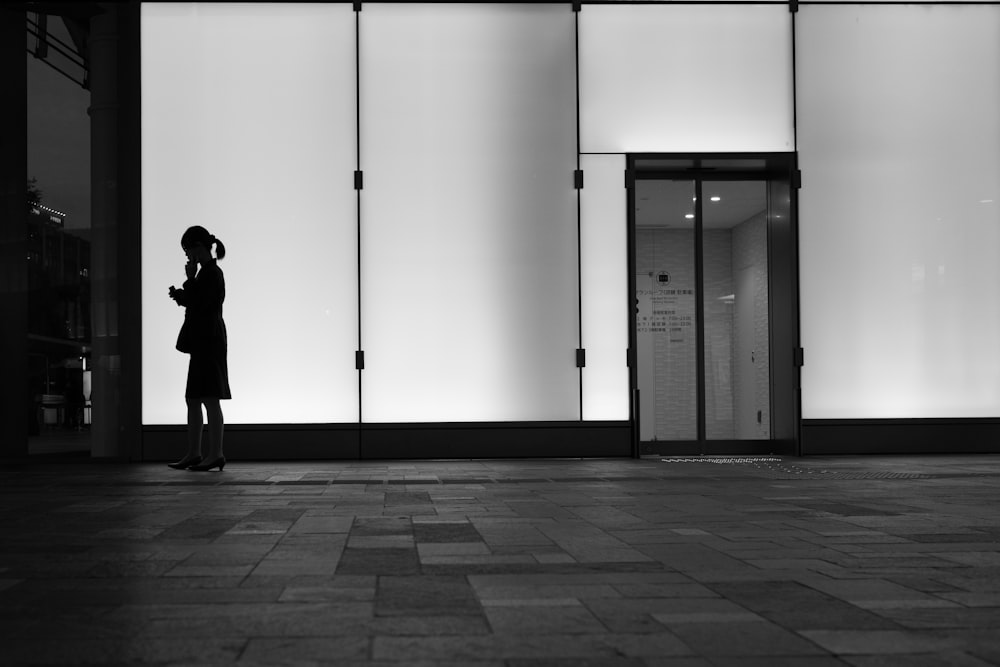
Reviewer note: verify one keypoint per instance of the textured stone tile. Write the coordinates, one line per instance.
(452, 549)
(543, 620)
(777, 661)
(373, 526)
(381, 542)
(305, 650)
(972, 599)
(584, 662)
(553, 557)
(951, 617)
(854, 642)
(798, 607)
(940, 659)
(725, 617)
(533, 602)
(653, 614)
(283, 619)
(475, 563)
(428, 595)
(511, 590)
(743, 639)
(378, 561)
(445, 532)
(856, 590)
(654, 590)
(467, 625)
(321, 524)
(201, 651)
(183, 570)
(295, 567)
(512, 646)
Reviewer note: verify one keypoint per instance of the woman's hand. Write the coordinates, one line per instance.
(191, 268)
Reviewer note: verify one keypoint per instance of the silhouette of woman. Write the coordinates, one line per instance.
(203, 336)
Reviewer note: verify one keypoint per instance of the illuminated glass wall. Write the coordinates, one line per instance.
(471, 285)
(469, 267)
(657, 78)
(604, 283)
(248, 129)
(899, 215)
(469, 307)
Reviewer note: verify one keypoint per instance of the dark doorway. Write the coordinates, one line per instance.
(714, 342)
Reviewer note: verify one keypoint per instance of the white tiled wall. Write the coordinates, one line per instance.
(667, 342)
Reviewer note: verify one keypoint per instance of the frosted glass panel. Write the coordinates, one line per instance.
(899, 140)
(664, 78)
(248, 129)
(469, 242)
(604, 280)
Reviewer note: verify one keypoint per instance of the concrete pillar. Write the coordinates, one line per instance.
(15, 400)
(106, 428)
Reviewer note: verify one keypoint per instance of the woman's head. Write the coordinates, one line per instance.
(199, 236)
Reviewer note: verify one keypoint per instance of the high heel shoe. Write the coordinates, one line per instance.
(185, 463)
(219, 463)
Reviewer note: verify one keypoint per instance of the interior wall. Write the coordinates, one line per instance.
(721, 373)
(667, 333)
(749, 242)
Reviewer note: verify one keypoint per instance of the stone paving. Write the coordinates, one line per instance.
(693, 562)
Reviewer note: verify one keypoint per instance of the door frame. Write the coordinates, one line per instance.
(780, 172)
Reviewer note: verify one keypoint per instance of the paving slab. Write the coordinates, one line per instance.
(683, 562)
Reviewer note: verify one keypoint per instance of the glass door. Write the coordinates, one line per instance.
(702, 336)
(735, 298)
(667, 330)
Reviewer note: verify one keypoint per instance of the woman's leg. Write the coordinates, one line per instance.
(196, 424)
(216, 426)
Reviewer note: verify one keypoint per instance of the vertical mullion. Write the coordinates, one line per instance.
(579, 202)
(357, 147)
(631, 353)
(699, 289)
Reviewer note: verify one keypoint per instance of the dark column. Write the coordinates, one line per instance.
(106, 441)
(15, 400)
(115, 228)
(129, 229)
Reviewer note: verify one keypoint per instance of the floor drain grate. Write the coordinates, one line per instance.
(778, 468)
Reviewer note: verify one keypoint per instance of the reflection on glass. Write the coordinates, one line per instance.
(666, 330)
(737, 381)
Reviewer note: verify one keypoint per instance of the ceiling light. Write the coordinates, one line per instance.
(716, 198)
(689, 216)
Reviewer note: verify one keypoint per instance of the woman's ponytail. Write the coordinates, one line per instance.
(220, 250)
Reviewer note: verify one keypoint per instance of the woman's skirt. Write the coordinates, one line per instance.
(208, 375)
